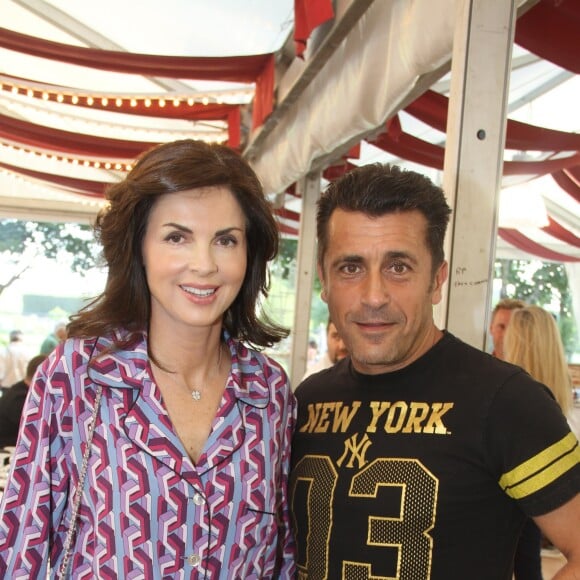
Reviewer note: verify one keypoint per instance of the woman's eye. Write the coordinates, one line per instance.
(227, 241)
(175, 238)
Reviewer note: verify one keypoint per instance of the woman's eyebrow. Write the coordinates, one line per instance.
(178, 227)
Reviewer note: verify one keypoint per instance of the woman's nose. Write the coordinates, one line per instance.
(203, 260)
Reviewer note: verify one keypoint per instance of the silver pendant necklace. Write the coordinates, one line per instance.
(196, 393)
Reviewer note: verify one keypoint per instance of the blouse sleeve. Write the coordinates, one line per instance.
(36, 490)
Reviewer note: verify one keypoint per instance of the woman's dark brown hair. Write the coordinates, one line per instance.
(121, 226)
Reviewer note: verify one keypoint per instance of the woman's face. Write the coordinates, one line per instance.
(194, 254)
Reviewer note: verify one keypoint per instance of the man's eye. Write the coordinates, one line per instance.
(350, 268)
(399, 268)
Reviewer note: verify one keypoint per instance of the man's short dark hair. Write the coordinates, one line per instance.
(378, 189)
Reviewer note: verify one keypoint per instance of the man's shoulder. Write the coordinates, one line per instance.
(467, 358)
(327, 378)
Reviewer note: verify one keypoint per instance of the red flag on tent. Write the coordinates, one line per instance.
(308, 14)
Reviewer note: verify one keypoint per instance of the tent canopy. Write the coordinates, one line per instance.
(82, 94)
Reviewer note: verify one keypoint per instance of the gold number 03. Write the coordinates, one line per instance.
(408, 532)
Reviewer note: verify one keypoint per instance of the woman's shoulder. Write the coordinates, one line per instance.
(257, 371)
(118, 347)
(250, 357)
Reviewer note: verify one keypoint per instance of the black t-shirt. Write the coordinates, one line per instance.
(11, 404)
(425, 472)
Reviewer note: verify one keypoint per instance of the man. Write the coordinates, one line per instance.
(417, 456)
(13, 360)
(335, 351)
(500, 318)
(54, 338)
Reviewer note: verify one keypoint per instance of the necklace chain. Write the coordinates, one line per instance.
(196, 393)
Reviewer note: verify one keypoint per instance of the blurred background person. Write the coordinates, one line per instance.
(57, 336)
(335, 351)
(12, 403)
(13, 360)
(500, 318)
(533, 342)
(312, 356)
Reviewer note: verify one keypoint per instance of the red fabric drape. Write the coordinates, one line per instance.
(432, 107)
(263, 100)
(524, 243)
(309, 14)
(41, 137)
(401, 144)
(242, 69)
(287, 214)
(333, 172)
(97, 189)
(566, 180)
(234, 127)
(286, 229)
(406, 146)
(559, 232)
(257, 69)
(551, 30)
(83, 186)
(196, 112)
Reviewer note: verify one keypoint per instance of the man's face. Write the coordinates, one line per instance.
(497, 328)
(377, 280)
(334, 344)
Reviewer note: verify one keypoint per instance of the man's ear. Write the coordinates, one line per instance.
(320, 273)
(438, 281)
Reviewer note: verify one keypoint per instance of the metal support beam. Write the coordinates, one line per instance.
(305, 272)
(476, 128)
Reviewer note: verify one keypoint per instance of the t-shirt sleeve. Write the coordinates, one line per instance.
(531, 448)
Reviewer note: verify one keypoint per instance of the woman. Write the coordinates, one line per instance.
(186, 471)
(532, 341)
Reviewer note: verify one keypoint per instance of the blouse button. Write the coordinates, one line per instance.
(197, 499)
(194, 560)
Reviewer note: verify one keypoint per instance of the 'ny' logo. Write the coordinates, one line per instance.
(356, 449)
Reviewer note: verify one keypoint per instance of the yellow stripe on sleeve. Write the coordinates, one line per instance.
(542, 469)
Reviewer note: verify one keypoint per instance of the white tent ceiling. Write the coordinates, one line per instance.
(176, 27)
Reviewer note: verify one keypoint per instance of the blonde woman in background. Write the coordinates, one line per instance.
(533, 342)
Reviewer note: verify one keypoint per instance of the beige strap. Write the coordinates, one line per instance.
(79, 491)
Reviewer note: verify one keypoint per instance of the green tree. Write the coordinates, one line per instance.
(284, 268)
(543, 284)
(22, 241)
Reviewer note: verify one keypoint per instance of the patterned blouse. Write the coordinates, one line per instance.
(147, 510)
